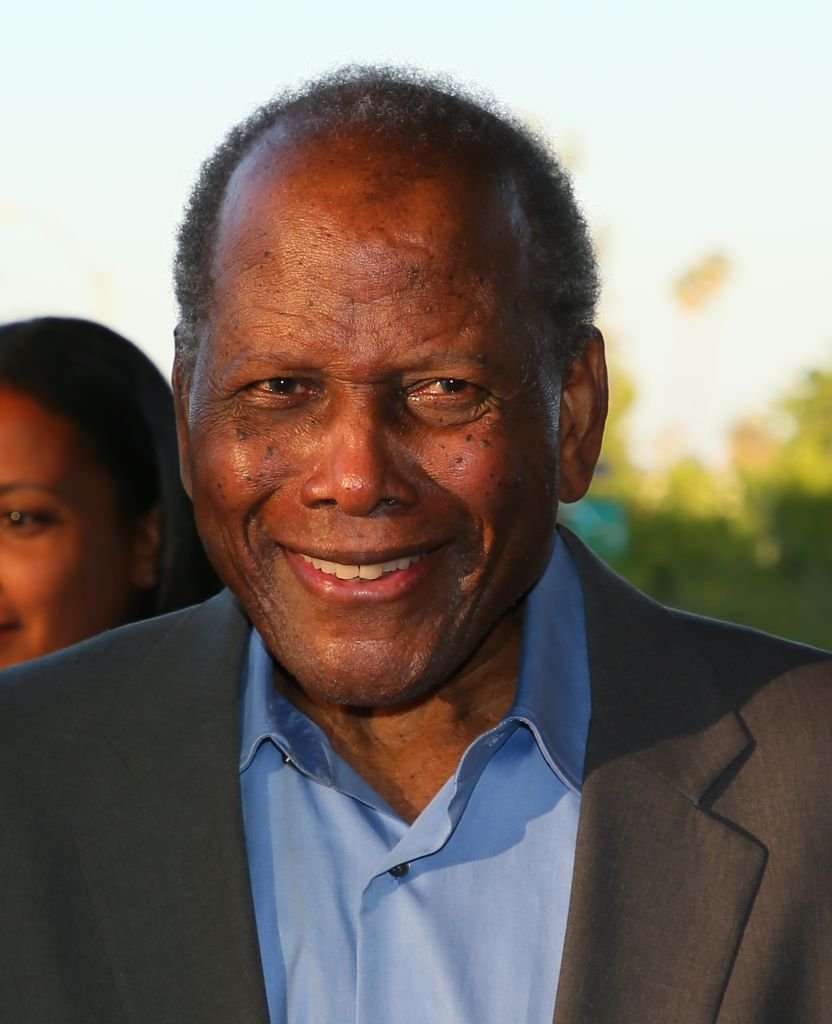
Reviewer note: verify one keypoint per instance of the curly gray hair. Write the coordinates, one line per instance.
(421, 112)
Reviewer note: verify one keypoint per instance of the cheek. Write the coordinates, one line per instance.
(33, 575)
(494, 475)
(229, 471)
(46, 580)
(236, 474)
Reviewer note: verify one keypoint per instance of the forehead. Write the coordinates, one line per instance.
(36, 442)
(358, 198)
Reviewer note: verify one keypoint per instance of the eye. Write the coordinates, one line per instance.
(24, 521)
(282, 392)
(453, 386)
(283, 386)
(444, 387)
(447, 400)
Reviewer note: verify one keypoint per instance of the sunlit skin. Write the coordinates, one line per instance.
(368, 389)
(69, 566)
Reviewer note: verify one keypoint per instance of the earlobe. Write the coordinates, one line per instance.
(583, 413)
(180, 400)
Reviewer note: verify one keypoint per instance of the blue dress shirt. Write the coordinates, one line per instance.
(459, 916)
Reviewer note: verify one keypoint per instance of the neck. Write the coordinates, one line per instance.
(408, 751)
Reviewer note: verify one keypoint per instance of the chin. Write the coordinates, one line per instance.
(365, 693)
(388, 684)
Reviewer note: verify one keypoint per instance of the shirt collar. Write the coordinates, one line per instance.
(553, 688)
(553, 692)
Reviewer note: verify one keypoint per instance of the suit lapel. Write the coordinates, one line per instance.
(164, 848)
(662, 887)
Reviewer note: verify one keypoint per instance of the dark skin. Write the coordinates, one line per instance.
(71, 564)
(376, 439)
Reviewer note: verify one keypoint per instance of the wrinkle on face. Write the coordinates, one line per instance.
(365, 281)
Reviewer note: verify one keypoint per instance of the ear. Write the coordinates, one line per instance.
(583, 412)
(180, 383)
(146, 544)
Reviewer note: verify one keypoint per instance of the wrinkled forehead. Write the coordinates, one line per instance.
(376, 192)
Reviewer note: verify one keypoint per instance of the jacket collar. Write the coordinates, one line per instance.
(163, 844)
(662, 888)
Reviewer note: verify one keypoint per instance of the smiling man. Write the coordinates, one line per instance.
(427, 759)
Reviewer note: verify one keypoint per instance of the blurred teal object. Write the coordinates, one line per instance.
(600, 522)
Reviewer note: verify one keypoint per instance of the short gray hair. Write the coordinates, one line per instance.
(422, 112)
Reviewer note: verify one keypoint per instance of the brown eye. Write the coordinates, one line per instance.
(452, 386)
(446, 387)
(24, 520)
(283, 386)
(447, 400)
(282, 391)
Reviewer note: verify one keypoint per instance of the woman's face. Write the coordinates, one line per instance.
(69, 566)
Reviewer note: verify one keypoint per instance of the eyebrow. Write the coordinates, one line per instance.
(28, 485)
(441, 358)
(295, 362)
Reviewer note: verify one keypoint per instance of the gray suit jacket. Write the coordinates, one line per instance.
(702, 877)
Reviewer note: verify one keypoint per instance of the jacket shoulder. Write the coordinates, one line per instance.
(748, 662)
(62, 691)
(84, 663)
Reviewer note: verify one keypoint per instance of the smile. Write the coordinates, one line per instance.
(372, 571)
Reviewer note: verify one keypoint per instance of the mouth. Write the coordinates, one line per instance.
(361, 576)
(364, 570)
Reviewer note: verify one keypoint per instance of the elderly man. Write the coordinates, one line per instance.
(428, 759)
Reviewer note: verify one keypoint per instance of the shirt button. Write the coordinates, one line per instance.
(399, 871)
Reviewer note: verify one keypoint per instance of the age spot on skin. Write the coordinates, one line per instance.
(241, 435)
(468, 437)
(485, 443)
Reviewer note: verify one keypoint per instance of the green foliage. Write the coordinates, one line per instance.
(752, 545)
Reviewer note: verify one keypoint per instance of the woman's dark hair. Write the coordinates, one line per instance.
(115, 395)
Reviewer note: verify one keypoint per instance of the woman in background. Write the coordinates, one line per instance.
(95, 528)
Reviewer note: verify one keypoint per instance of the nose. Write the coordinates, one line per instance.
(361, 464)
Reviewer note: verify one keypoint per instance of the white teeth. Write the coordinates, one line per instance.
(370, 572)
(365, 572)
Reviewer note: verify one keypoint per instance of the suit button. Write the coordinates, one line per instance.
(399, 871)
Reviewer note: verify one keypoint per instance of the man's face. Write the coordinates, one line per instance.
(370, 434)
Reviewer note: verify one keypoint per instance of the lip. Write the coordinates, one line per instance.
(389, 587)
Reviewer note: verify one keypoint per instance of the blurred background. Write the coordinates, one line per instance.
(695, 134)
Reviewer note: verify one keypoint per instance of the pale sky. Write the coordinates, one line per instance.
(691, 127)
